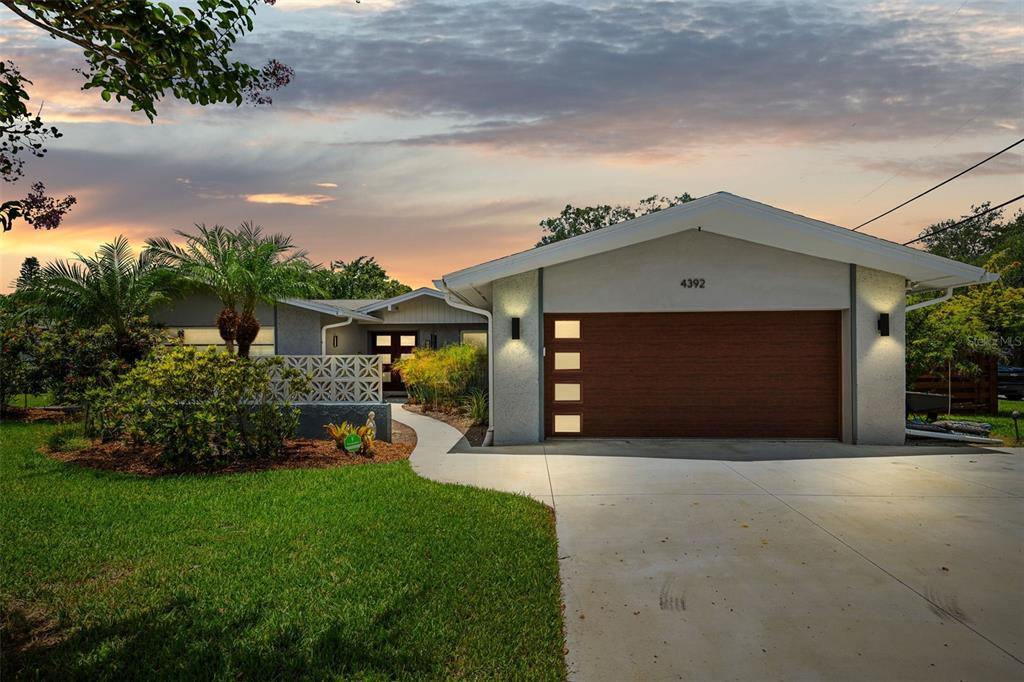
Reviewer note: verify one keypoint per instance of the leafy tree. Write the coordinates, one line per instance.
(242, 268)
(18, 341)
(362, 277)
(28, 274)
(137, 51)
(69, 361)
(112, 287)
(573, 221)
(974, 241)
(981, 320)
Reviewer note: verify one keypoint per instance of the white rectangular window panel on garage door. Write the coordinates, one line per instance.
(567, 423)
(384, 339)
(567, 329)
(407, 341)
(567, 360)
(567, 392)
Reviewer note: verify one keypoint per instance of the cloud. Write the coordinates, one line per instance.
(327, 185)
(293, 199)
(657, 77)
(942, 166)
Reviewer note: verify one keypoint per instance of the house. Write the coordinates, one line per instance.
(387, 327)
(722, 317)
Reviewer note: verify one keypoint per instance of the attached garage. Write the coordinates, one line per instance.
(699, 375)
(719, 318)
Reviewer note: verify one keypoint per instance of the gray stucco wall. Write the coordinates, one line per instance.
(298, 331)
(314, 416)
(738, 275)
(516, 390)
(880, 361)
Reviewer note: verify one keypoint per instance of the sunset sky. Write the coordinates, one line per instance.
(435, 135)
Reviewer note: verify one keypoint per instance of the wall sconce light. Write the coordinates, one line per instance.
(515, 328)
(883, 324)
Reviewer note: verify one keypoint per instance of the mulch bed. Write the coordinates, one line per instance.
(300, 453)
(39, 414)
(474, 433)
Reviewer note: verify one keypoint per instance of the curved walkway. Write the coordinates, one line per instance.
(526, 474)
(876, 566)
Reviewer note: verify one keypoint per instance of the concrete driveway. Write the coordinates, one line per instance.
(907, 565)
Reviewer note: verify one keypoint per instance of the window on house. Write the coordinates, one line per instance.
(567, 329)
(475, 338)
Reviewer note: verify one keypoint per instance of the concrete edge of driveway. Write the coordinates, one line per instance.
(433, 458)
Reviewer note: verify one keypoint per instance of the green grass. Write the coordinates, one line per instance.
(30, 400)
(363, 573)
(1002, 423)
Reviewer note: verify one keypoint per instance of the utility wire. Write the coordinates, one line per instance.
(965, 220)
(948, 180)
(941, 142)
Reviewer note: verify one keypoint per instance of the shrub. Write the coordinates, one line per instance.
(200, 407)
(67, 438)
(475, 404)
(440, 378)
(71, 361)
(339, 432)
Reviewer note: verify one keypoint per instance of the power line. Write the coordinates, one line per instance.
(965, 220)
(943, 141)
(946, 181)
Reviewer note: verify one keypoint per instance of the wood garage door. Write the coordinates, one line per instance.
(728, 374)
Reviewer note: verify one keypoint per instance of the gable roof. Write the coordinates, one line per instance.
(401, 298)
(328, 307)
(732, 216)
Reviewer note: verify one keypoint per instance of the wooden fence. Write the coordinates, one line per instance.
(969, 393)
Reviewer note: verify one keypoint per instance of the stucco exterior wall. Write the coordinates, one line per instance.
(298, 331)
(880, 361)
(516, 390)
(738, 275)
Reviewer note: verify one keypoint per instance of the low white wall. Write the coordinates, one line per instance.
(880, 361)
(516, 390)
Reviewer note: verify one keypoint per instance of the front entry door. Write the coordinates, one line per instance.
(391, 346)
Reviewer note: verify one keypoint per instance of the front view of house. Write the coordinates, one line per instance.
(722, 317)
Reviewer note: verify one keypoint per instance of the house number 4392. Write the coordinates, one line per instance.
(693, 283)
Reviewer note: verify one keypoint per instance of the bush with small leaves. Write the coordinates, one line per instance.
(200, 407)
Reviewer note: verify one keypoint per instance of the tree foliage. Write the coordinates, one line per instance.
(976, 321)
(362, 277)
(242, 268)
(28, 273)
(199, 407)
(112, 287)
(573, 221)
(136, 51)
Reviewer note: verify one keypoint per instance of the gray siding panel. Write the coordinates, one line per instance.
(201, 310)
(426, 310)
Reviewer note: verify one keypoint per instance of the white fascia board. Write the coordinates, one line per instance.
(327, 309)
(740, 218)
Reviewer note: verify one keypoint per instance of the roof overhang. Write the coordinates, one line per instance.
(328, 309)
(731, 216)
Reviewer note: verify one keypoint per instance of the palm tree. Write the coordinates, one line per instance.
(112, 287)
(242, 268)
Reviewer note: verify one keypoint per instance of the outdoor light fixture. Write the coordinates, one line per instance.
(515, 328)
(883, 324)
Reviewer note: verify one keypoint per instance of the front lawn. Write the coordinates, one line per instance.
(363, 572)
(1002, 423)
